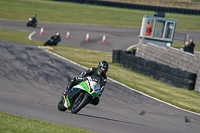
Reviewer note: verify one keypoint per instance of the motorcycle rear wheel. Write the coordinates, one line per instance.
(61, 106)
(80, 103)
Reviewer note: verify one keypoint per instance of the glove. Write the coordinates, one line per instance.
(100, 94)
(80, 76)
(80, 79)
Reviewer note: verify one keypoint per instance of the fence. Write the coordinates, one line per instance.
(138, 6)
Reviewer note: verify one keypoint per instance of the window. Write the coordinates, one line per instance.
(169, 30)
(159, 29)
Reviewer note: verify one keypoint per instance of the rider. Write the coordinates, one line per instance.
(56, 38)
(34, 18)
(100, 72)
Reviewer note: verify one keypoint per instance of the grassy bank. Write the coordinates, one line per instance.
(66, 12)
(18, 124)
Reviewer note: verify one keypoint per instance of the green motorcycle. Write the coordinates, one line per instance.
(80, 95)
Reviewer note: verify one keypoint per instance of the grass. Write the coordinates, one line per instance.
(67, 12)
(18, 124)
(79, 13)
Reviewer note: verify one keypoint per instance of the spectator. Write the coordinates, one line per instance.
(148, 29)
(189, 47)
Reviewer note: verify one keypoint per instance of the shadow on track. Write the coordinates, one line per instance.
(113, 120)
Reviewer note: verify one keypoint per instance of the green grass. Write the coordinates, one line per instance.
(90, 14)
(18, 124)
(85, 14)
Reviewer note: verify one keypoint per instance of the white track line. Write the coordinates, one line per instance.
(121, 83)
(132, 46)
(31, 35)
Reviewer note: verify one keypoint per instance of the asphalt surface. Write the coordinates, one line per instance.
(116, 37)
(33, 80)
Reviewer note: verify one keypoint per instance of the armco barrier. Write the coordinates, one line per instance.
(161, 72)
(138, 6)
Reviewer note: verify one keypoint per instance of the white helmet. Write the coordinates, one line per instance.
(57, 34)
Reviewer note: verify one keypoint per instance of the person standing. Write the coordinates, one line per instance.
(148, 29)
(189, 47)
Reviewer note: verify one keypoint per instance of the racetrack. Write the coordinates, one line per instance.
(116, 37)
(32, 82)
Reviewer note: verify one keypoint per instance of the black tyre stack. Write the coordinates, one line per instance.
(161, 72)
(116, 56)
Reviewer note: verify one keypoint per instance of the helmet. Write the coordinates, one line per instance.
(57, 34)
(103, 64)
(34, 16)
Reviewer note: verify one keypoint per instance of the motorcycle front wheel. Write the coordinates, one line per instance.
(80, 103)
(27, 24)
(46, 43)
(61, 106)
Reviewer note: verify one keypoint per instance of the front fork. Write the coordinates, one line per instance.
(68, 97)
(66, 89)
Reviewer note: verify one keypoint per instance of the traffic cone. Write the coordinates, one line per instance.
(87, 37)
(68, 34)
(42, 31)
(104, 38)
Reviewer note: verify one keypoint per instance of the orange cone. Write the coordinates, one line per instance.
(87, 37)
(42, 31)
(104, 38)
(68, 34)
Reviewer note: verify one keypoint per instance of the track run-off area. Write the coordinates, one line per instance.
(32, 80)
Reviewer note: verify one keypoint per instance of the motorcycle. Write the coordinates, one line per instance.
(31, 23)
(51, 42)
(80, 95)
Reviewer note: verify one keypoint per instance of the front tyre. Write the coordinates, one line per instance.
(80, 103)
(46, 43)
(27, 24)
(61, 106)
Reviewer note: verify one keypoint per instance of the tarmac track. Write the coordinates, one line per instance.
(116, 37)
(32, 81)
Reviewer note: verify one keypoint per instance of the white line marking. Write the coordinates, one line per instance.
(31, 35)
(121, 83)
(132, 46)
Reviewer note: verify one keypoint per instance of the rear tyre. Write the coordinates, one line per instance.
(61, 106)
(80, 103)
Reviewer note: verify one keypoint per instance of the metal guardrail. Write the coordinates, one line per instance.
(138, 6)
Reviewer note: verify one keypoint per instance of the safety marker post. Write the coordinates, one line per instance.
(42, 31)
(87, 37)
(68, 34)
(104, 38)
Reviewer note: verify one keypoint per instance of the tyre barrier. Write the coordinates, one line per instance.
(138, 6)
(160, 72)
(116, 56)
